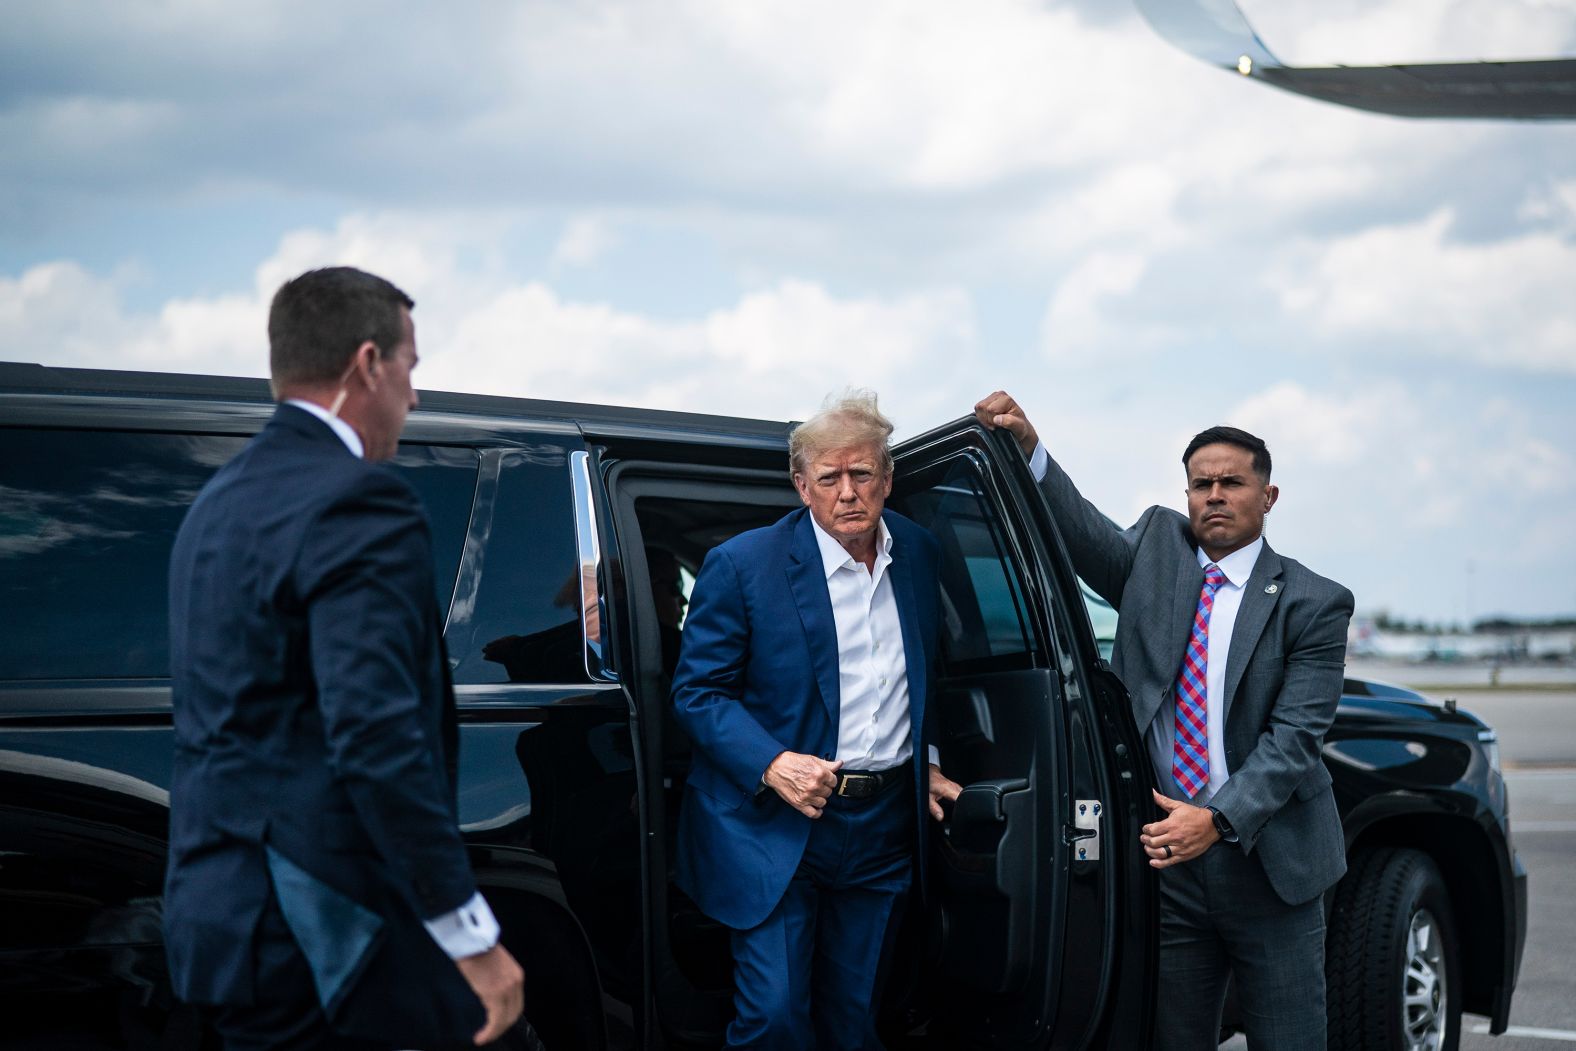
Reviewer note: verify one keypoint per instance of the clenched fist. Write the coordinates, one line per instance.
(998, 409)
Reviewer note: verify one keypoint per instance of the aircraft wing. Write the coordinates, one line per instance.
(1217, 32)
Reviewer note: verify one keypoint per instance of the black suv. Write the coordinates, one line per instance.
(1041, 925)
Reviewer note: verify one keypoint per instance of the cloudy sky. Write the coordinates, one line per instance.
(736, 207)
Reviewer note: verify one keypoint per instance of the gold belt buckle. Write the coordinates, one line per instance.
(848, 779)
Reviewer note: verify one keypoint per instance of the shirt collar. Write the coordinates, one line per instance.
(1238, 566)
(347, 434)
(835, 556)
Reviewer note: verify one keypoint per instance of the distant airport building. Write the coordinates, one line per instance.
(1497, 642)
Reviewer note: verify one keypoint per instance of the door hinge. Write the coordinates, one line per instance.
(1083, 835)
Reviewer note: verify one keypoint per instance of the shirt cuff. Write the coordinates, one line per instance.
(1040, 462)
(468, 930)
(935, 755)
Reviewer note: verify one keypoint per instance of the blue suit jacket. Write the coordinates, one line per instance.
(315, 743)
(758, 675)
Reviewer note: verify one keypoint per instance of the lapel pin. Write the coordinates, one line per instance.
(1270, 589)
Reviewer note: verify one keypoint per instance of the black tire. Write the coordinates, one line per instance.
(1391, 963)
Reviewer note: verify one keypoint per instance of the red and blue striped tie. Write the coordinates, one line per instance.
(1190, 749)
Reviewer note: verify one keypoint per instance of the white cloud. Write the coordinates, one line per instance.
(772, 354)
(914, 95)
(1081, 320)
(1314, 428)
(60, 314)
(1392, 490)
(58, 306)
(640, 102)
(1553, 206)
(74, 127)
(584, 240)
(798, 323)
(1501, 302)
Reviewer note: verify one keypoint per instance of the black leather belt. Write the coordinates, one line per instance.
(862, 784)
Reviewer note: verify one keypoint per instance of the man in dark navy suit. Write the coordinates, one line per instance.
(318, 892)
(804, 681)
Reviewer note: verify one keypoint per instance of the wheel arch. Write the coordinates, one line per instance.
(1465, 856)
(563, 987)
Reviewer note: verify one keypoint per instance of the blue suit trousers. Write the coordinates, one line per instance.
(808, 976)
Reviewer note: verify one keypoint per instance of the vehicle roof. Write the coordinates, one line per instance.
(599, 420)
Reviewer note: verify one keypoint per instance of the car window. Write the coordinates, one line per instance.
(517, 617)
(445, 478)
(983, 614)
(1102, 618)
(86, 523)
(87, 519)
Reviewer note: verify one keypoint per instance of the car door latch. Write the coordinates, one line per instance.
(1083, 835)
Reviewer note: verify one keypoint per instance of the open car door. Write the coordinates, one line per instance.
(1041, 908)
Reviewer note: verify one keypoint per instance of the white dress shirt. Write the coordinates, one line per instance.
(1161, 734)
(347, 433)
(472, 928)
(873, 731)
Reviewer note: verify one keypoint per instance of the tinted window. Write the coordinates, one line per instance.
(86, 523)
(446, 480)
(1102, 618)
(983, 616)
(516, 615)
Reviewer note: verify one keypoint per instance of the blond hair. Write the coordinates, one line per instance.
(845, 420)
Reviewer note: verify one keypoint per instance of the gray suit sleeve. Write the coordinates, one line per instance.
(1288, 747)
(1102, 553)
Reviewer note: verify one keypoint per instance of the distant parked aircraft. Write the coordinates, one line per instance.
(1217, 32)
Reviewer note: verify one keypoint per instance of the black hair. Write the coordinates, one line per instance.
(317, 321)
(1232, 436)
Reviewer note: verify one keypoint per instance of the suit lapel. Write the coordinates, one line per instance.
(1189, 581)
(1252, 615)
(807, 581)
(914, 654)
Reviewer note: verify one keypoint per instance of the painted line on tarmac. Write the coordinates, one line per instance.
(1568, 1035)
(1542, 826)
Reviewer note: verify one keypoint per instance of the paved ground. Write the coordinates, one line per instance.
(1437, 676)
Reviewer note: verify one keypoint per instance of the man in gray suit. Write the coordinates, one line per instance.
(1233, 657)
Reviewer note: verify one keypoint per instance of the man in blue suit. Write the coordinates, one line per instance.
(805, 683)
(318, 893)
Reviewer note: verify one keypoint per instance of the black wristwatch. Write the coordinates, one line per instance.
(1227, 833)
